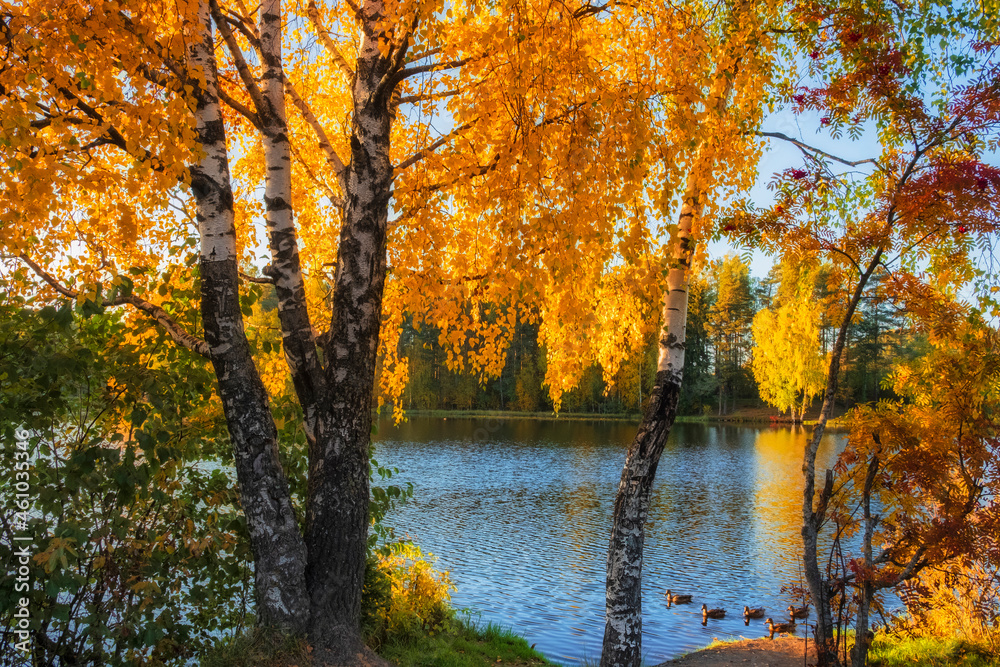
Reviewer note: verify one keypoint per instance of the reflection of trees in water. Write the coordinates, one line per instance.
(777, 516)
(778, 497)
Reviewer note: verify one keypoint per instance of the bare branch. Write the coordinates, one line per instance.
(816, 151)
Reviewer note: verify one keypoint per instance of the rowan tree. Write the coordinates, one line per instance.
(921, 212)
(922, 469)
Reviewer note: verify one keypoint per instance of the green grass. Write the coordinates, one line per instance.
(894, 651)
(259, 648)
(463, 644)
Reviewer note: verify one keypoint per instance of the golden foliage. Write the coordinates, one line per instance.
(538, 163)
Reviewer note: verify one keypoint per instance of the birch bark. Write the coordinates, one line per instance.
(622, 646)
(623, 628)
(337, 511)
(298, 341)
(278, 548)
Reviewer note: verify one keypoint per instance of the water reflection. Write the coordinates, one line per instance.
(520, 512)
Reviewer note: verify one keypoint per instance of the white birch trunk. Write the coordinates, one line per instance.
(622, 645)
(623, 627)
(297, 332)
(337, 507)
(278, 547)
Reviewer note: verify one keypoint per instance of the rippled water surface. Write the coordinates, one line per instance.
(520, 513)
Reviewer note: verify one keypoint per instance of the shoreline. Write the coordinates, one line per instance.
(779, 652)
(754, 416)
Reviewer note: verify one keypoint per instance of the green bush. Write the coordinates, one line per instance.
(136, 548)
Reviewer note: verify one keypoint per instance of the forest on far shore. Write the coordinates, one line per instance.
(719, 373)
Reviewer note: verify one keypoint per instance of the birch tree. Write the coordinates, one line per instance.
(121, 123)
(787, 362)
(732, 98)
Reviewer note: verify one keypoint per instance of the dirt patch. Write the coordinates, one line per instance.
(786, 652)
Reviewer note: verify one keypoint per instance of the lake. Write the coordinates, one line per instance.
(519, 511)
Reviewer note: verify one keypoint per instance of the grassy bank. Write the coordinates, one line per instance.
(462, 643)
(893, 651)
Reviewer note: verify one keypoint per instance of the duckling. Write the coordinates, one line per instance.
(779, 627)
(757, 612)
(712, 613)
(677, 599)
(798, 612)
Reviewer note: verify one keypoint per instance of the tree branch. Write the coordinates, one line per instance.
(241, 64)
(433, 67)
(389, 81)
(250, 115)
(256, 279)
(240, 23)
(478, 171)
(173, 329)
(427, 150)
(324, 142)
(324, 37)
(413, 99)
(335, 199)
(590, 10)
(816, 151)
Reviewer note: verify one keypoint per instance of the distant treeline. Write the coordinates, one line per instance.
(718, 374)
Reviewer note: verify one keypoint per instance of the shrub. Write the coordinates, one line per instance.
(404, 596)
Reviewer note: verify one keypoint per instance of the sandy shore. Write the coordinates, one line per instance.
(781, 652)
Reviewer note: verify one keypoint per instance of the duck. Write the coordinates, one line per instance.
(798, 612)
(677, 599)
(712, 613)
(779, 627)
(757, 612)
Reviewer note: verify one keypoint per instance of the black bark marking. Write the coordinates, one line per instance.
(623, 630)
